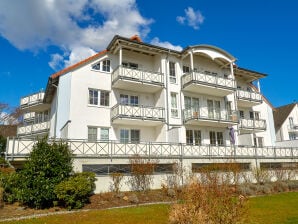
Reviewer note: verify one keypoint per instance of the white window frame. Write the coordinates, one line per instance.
(104, 136)
(195, 139)
(217, 140)
(130, 99)
(129, 138)
(92, 136)
(97, 100)
(172, 72)
(174, 105)
(103, 66)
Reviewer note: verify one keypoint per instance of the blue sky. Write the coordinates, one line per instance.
(38, 38)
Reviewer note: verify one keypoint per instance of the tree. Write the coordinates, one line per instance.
(48, 165)
(2, 145)
(9, 115)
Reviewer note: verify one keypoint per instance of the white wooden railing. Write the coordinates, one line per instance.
(202, 113)
(253, 124)
(20, 148)
(138, 75)
(200, 77)
(138, 112)
(32, 99)
(33, 128)
(247, 95)
(29, 116)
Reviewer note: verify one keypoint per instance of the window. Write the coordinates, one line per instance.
(258, 141)
(254, 115)
(213, 109)
(134, 100)
(292, 136)
(106, 65)
(127, 136)
(130, 65)
(216, 138)
(104, 134)
(124, 136)
(229, 107)
(193, 137)
(241, 114)
(174, 105)
(135, 136)
(93, 96)
(172, 72)
(104, 97)
(185, 69)
(102, 66)
(291, 121)
(96, 66)
(92, 133)
(129, 100)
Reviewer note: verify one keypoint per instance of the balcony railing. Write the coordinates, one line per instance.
(33, 99)
(293, 128)
(204, 114)
(252, 124)
(20, 148)
(209, 80)
(138, 75)
(138, 112)
(34, 128)
(250, 96)
(29, 116)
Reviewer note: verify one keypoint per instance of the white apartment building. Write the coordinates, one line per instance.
(137, 92)
(195, 106)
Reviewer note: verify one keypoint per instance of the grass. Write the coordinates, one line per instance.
(273, 209)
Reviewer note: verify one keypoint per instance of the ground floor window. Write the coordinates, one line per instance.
(92, 133)
(216, 138)
(129, 136)
(193, 137)
(292, 136)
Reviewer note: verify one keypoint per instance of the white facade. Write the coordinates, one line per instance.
(136, 97)
(286, 124)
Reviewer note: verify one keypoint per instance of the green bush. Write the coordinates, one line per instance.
(12, 186)
(48, 165)
(2, 145)
(75, 191)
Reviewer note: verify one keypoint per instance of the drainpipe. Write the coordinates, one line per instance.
(167, 91)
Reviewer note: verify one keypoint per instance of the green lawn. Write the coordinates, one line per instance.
(274, 209)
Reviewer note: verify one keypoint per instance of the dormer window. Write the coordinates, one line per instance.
(104, 66)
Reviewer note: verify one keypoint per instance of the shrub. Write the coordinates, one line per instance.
(141, 173)
(2, 145)
(293, 185)
(116, 181)
(48, 165)
(261, 175)
(75, 191)
(210, 203)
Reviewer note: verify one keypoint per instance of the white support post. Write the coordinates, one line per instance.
(232, 70)
(120, 56)
(259, 86)
(191, 61)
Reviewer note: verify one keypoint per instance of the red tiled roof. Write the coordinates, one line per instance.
(63, 71)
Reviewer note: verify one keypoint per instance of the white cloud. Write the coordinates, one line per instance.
(193, 18)
(80, 28)
(166, 44)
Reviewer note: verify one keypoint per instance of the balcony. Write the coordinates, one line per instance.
(202, 117)
(137, 79)
(248, 126)
(34, 102)
(202, 83)
(34, 129)
(293, 128)
(29, 116)
(137, 115)
(248, 99)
